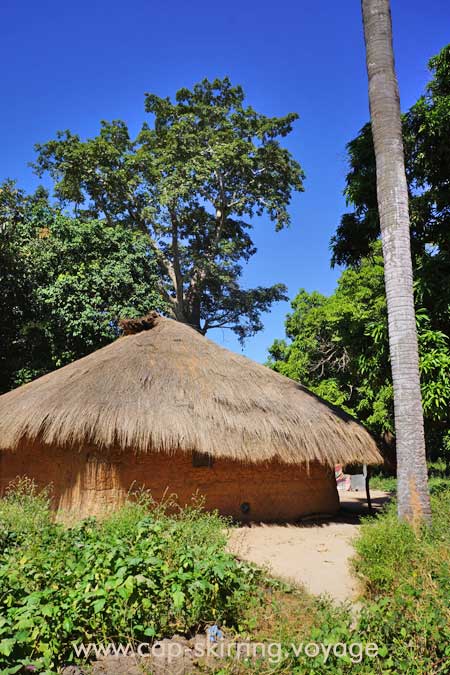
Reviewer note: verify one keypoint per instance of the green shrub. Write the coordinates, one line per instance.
(440, 468)
(140, 575)
(438, 485)
(407, 574)
(148, 572)
(389, 551)
(412, 625)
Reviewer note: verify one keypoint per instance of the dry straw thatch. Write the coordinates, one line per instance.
(168, 388)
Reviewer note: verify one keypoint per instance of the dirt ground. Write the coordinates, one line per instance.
(175, 656)
(314, 554)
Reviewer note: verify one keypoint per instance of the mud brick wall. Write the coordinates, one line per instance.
(90, 482)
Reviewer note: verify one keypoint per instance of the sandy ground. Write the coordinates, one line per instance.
(315, 554)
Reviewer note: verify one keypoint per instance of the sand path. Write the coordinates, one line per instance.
(315, 554)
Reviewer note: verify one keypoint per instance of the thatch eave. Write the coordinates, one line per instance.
(170, 388)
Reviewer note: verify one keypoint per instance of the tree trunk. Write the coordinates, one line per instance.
(392, 191)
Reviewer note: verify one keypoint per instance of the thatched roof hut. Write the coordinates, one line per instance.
(162, 395)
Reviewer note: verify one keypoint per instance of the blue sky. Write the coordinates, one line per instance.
(68, 65)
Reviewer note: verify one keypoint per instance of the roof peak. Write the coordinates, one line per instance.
(133, 326)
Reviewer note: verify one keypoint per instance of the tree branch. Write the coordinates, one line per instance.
(179, 290)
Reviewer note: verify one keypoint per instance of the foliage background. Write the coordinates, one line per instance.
(65, 283)
(337, 345)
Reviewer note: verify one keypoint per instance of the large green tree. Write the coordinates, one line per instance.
(192, 181)
(426, 126)
(65, 284)
(338, 346)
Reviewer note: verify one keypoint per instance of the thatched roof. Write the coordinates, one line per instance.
(169, 388)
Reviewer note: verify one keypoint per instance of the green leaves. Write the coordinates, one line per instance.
(338, 344)
(66, 283)
(141, 574)
(98, 605)
(6, 646)
(178, 598)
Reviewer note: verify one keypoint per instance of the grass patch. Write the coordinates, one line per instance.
(437, 484)
(386, 483)
(438, 478)
(24, 510)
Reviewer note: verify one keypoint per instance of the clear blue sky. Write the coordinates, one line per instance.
(68, 65)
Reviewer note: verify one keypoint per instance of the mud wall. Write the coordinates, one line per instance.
(90, 482)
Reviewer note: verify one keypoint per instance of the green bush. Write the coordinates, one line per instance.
(147, 572)
(390, 551)
(140, 575)
(407, 576)
(438, 485)
(440, 468)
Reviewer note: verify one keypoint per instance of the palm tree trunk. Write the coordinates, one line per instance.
(392, 191)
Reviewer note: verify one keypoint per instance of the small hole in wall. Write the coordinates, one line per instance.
(202, 459)
(245, 507)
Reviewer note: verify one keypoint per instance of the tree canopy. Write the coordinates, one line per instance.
(191, 181)
(65, 284)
